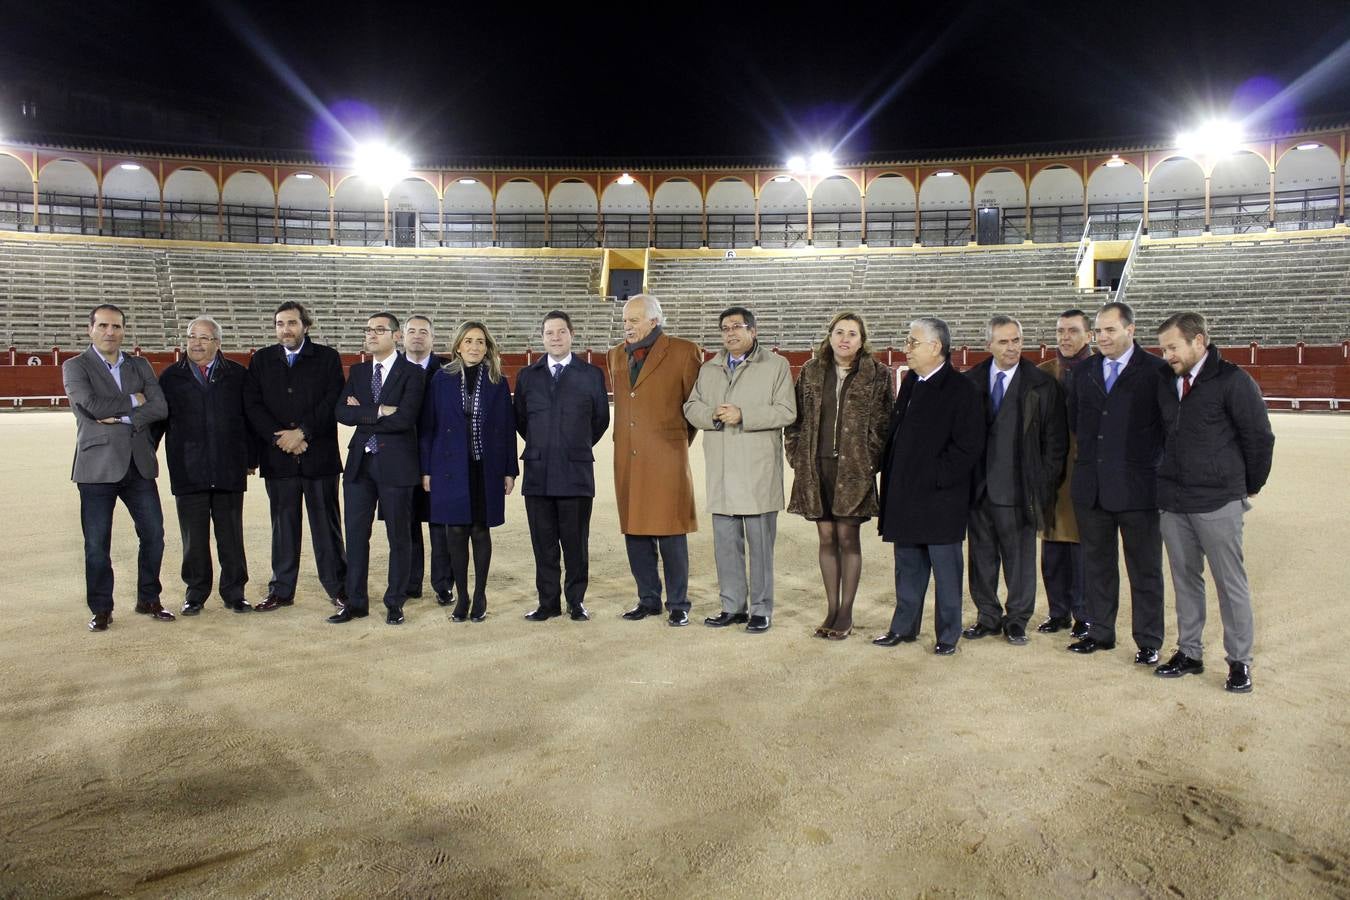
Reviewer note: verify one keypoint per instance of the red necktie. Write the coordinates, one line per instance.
(203, 368)
(1185, 385)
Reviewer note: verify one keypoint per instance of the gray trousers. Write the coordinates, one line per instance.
(731, 535)
(998, 537)
(1216, 537)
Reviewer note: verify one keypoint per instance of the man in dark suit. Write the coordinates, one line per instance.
(289, 397)
(382, 399)
(936, 437)
(210, 452)
(419, 338)
(1113, 410)
(116, 401)
(1016, 479)
(562, 410)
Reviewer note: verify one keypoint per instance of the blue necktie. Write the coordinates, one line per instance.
(1113, 374)
(290, 357)
(376, 382)
(732, 364)
(997, 396)
(557, 372)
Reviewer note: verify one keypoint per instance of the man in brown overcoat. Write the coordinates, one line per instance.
(653, 374)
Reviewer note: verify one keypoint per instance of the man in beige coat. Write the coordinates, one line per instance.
(741, 402)
(652, 374)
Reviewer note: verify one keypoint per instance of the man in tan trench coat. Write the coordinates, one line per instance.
(653, 374)
(741, 402)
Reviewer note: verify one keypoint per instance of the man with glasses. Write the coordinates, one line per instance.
(1113, 409)
(936, 437)
(210, 452)
(382, 400)
(289, 397)
(742, 401)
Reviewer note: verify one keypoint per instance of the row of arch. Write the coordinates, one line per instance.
(1291, 164)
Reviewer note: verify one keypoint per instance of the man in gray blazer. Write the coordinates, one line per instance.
(116, 398)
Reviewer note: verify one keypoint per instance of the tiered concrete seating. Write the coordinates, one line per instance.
(1277, 291)
(794, 298)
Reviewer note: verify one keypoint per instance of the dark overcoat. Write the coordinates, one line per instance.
(278, 397)
(560, 424)
(207, 441)
(444, 439)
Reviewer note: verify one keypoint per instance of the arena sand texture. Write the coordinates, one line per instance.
(275, 755)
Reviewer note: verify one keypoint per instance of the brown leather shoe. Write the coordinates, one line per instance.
(155, 611)
(100, 621)
(272, 601)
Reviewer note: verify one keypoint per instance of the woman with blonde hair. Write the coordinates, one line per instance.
(844, 399)
(468, 444)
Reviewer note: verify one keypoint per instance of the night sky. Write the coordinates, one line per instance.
(703, 83)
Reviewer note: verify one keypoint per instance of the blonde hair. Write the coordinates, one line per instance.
(825, 353)
(493, 358)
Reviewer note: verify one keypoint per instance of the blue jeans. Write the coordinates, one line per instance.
(97, 501)
(913, 565)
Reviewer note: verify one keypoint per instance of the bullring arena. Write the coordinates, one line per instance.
(271, 755)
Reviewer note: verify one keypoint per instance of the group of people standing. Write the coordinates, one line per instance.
(1084, 450)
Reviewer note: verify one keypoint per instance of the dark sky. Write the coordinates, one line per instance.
(877, 80)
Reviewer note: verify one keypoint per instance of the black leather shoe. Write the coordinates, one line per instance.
(346, 614)
(1088, 645)
(758, 624)
(480, 616)
(578, 613)
(155, 611)
(272, 601)
(100, 621)
(540, 615)
(394, 617)
(445, 599)
(640, 612)
(340, 600)
(191, 609)
(1053, 624)
(459, 617)
(413, 595)
(678, 618)
(1239, 678)
(723, 619)
(1079, 629)
(977, 631)
(239, 606)
(1180, 664)
(1016, 634)
(891, 639)
(941, 649)
(1146, 656)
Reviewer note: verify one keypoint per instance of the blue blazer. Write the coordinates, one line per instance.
(560, 425)
(445, 448)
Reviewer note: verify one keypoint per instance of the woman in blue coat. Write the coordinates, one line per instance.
(468, 438)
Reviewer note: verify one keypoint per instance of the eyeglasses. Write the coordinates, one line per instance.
(734, 327)
(912, 342)
(204, 338)
(380, 330)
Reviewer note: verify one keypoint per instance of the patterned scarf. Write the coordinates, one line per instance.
(637, 353)
(473, 407)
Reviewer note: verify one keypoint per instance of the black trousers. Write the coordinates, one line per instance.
(1062, 575)
(999, 539)
(1139, 531)
(672, 550)
(560, 524)
(197, 512)
(360, 494)
(442, 579)
(320, 498)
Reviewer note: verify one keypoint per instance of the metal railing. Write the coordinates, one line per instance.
(1082, 245)
(1129, 263)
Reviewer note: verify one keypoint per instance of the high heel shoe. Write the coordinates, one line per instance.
(838, 634)
(479, 611)
(460, 612)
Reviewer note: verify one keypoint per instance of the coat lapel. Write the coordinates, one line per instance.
(654, 357)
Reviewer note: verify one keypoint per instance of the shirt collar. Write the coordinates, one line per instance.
(296, 351)
(564, 362)
(120, 356)
(1124, 359)
(934, 372)
(1195, 369)
(388, 362)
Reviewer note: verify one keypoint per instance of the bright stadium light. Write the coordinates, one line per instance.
(381, 164)
(1215, 138)
(822, 163)
(304, 176)
(1310, 145)
(130, 167)
(1115, 162)
(782, 178)
(625, 179)
(796, 163)
(945, 173)
(468, 181)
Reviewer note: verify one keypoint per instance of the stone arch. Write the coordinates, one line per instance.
(626, 209)
(1004, 190)
(1239, 191)
(944, 210)
(520, 214)
(191, 205)
(1176, 198)
(677, 206)
(572, 212)
(891, 201)
(303, 207)
(247, 208)
(16, 193)
(1056, 212)
(1115, 200)
(731, 213)
(466, 217)
(130, 201)
(1307, 187)
(836, 210)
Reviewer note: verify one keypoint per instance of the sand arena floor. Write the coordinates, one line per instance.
(274, 755)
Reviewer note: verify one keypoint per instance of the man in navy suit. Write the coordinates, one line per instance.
(1114, 411)
(382, 399)
(562, 410)
(419, 338)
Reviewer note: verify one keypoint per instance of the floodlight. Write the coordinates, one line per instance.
(625, 179)
(1310, 145)
(821, 163)
(130, 167)
(381, 164)
(796, 163)
(945, 173)
(468, 181)
(782, 178)
(1214, 138)
(303, 176)
(1115, 162)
